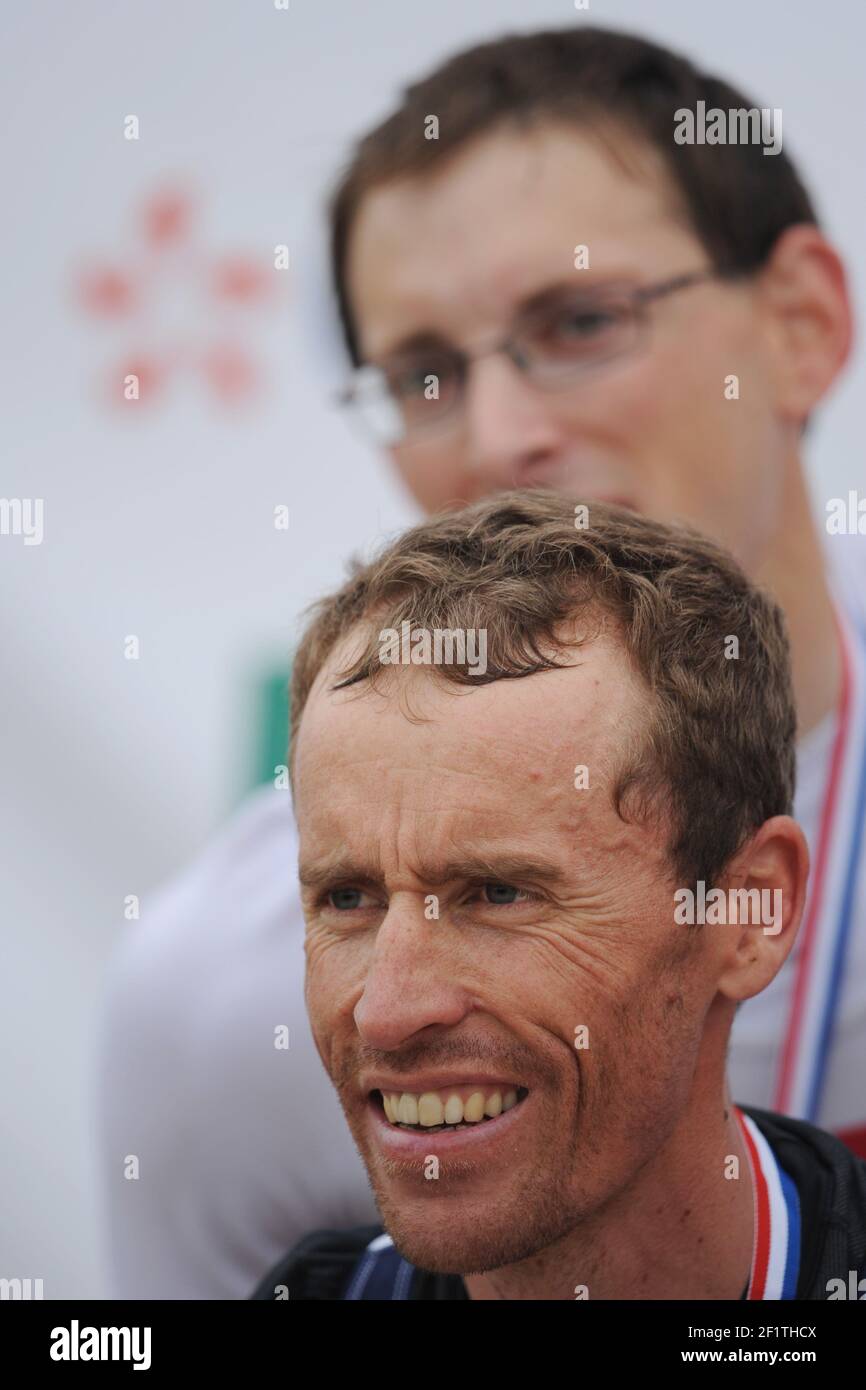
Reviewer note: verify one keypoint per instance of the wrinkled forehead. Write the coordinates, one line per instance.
(499, 222)
(426, 736)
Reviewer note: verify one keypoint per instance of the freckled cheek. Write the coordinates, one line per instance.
(568, 983)
(525, 977)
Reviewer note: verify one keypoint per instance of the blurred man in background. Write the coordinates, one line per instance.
(538, 284)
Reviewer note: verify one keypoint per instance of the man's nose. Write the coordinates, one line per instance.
(511, 428)
(410, 981)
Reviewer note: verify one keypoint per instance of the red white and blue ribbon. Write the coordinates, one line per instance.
(776, 1245)
(831, 900)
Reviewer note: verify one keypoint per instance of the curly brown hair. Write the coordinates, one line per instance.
(716, 755)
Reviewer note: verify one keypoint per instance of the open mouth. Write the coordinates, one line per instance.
(452, 1109)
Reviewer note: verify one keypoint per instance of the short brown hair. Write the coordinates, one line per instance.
(737, 201)
(716, 757)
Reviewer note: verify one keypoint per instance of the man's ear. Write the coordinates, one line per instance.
(807, 311)
(775, 862)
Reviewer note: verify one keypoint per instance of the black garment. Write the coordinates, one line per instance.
(830, 1180)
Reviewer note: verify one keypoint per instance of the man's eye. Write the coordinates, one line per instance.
(501, 894)
(583, 323)
(344, 899)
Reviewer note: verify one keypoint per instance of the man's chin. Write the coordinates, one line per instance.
(464, 1240)
(448, 1252)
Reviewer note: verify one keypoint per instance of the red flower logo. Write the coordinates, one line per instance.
(181, 310)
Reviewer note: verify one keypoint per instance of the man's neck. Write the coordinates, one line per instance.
(794, 572)
(683, 1229)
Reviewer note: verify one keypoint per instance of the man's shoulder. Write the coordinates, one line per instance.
(361, 1263)
(805, 1145)
(831, 1184)
(319, 1266)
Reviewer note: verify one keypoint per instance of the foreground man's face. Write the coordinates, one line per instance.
(553, 916)
(453, 254)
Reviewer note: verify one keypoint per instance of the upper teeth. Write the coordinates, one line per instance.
(446, 1107)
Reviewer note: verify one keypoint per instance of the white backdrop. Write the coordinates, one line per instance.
(159, 518)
